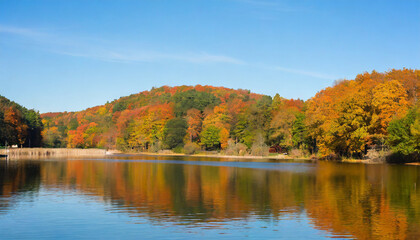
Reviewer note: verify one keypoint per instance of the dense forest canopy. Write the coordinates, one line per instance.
(353, 115)
(165, 117)
(373, 111)
(18, 125)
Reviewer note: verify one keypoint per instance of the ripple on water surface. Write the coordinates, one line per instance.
(175, 199)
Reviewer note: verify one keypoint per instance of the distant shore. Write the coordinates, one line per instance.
(203, 155)
(39, 153)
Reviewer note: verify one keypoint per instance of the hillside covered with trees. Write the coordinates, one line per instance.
(205, 117)
(375, 111)
(19, 125)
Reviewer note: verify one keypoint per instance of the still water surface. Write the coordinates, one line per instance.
(133, 197)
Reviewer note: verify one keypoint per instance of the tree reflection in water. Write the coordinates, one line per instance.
(365, 201)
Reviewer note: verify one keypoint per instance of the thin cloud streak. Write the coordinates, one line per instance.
(186, 57)
(152, 57)
(305, 73)
(20, 31)
(82, 48)
(78, 47)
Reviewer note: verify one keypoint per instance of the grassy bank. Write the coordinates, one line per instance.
(36, 153)
(39, 153)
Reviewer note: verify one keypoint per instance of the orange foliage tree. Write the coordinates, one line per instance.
(353, 115)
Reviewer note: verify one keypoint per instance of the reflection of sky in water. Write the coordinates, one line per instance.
(184, 198)
(69, 215)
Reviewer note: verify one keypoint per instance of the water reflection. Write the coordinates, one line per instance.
(361, 201)
(16, 181)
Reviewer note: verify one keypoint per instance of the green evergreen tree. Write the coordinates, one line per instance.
(174, 133)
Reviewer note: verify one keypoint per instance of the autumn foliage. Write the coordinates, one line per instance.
(139, 122)
(354, 115)
(346, 119)
(18, 125)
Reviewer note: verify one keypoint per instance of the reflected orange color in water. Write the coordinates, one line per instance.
(351, 202)
(361, 201)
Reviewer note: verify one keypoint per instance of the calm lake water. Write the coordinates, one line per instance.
(136, 197)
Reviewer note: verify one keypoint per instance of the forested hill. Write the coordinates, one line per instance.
(167, 117)
(373, 111)
(19, 125)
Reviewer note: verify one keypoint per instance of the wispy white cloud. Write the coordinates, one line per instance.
(148, 56)
(205, 57)
(88, 48)
(305, 73)
(20, 31)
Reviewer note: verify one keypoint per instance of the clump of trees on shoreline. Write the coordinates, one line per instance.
(19, 125)
(373, 111)
(404, 136)
(355, 115)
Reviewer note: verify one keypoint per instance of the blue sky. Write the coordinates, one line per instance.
(69, 55)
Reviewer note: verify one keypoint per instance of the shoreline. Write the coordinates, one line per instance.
(278, 157)
(37, 153)
(232, 158)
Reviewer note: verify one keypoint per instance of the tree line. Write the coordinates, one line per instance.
(19, 125)
(373, 111)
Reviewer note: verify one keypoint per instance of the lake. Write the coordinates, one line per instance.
(147, 197)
